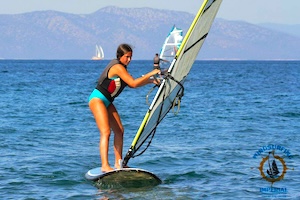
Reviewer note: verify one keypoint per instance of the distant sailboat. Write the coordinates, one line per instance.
(99, 53)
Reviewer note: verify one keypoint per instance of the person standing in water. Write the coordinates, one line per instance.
(111, 83)
(156, 63)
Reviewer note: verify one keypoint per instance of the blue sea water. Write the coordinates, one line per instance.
(232, 115)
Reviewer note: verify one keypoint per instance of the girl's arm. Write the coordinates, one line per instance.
(119, 70)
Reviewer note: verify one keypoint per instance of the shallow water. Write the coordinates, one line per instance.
(230, 110)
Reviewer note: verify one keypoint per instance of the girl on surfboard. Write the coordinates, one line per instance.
(111, 83)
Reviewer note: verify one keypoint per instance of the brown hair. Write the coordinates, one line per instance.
(123, 49)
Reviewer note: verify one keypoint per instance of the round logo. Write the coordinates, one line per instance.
(274, 166)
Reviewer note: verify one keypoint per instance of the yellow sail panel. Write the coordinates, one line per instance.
(200, 11)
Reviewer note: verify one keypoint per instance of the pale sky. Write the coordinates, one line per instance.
(253, 11)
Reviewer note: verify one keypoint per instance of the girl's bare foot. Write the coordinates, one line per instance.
(118, 164)
(118, 167)
(106, 169)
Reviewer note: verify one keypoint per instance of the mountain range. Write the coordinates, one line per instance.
(59, 35)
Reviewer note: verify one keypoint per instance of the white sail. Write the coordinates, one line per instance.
(171, 89)
(171, 44)
(99, 53)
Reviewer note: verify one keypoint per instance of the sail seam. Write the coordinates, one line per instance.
(202, 38)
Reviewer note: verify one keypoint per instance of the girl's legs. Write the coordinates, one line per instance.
(117, 127)
(101, 116)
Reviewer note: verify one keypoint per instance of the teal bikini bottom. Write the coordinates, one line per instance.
(97, 94)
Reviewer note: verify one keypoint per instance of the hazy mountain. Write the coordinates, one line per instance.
(242, 40)
(57, 35)
(285, 28)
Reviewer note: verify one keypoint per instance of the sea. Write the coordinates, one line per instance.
(236, 119)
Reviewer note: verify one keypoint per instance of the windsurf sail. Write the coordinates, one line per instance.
(171, 89)
(171, 45)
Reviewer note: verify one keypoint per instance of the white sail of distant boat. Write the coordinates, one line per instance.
(171, 89)
(99, 53)
(171, 46)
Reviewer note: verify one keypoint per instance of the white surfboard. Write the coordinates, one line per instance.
(123, 178)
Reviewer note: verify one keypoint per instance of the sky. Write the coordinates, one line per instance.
(252, 11)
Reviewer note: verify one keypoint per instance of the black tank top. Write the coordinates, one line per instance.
(111, 87)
